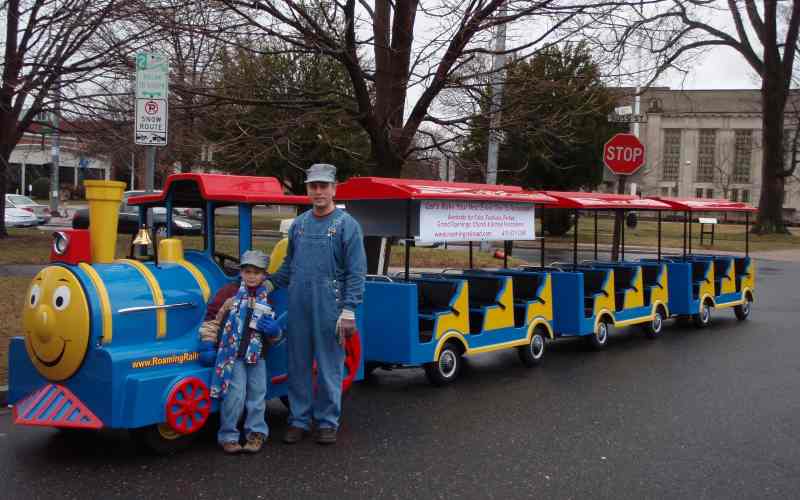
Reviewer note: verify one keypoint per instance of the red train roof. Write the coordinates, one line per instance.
(705, 205)
(192, 190)
(384, 188)
(605, 201)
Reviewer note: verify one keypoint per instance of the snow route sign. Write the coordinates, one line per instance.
(152, 92)
(151, 122)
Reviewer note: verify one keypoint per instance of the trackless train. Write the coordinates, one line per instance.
(113, 342)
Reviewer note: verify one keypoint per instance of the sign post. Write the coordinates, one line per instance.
(623, 154)
(152, 92)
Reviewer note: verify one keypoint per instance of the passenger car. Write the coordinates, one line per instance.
(16, 217)
(129, 219)
(22, 202)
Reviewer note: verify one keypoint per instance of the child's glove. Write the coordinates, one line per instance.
(209, 331)
(268, 326)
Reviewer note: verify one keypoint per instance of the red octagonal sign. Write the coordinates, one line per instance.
(623, 154)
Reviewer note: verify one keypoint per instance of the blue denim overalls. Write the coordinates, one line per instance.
(314, 307)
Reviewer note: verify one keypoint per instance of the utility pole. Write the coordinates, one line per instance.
(498, 79)
(56, 150)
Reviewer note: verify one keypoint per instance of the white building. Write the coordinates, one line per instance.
(708, 144)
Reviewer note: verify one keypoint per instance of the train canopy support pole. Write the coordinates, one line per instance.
(408, 238)
(622, 235)
(245, 227)
(541, 243)
(747, 234)
(208, 221)
(689, 215)
(470, 255)
(659, 235)
(595, 235)
(685, 221)
(575, 242)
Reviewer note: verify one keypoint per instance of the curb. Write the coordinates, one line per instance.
(3, 395)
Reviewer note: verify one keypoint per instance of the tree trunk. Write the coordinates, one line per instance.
(770, 205)
(5, 157)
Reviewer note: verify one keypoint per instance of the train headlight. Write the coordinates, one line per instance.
(60, 242)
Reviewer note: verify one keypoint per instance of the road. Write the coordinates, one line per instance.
(695, 414)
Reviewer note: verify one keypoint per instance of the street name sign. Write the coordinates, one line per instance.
(152, 75)
(624, 154)
(151, 122)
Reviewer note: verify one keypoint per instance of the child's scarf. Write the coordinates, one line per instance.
(232, 333)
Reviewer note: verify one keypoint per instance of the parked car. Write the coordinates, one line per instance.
(42, 212)
(17, 217)
(129, 219)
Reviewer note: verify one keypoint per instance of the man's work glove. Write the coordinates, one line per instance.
(209, 331)
(345, 325)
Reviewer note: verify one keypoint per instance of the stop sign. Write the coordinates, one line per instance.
(623, 154)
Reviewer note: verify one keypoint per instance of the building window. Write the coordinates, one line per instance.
(698, 193)
(672, 154)
(709, 193)
(745, 196)
(664, 191)
(675, 191)
(705, 155)
(743, 148)
(734, 195)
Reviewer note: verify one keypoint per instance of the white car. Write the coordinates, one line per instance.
(42, 212)
(16, 217)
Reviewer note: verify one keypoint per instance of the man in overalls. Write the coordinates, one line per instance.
(324, 269)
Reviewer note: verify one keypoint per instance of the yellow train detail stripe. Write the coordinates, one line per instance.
(458, 319)
(158, 296)
(105, 302)
(198, 276)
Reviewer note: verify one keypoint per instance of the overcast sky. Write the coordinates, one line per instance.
(720, 68)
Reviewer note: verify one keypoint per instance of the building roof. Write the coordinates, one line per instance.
(192, 190)
(383, 188)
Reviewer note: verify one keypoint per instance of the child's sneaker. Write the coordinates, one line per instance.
(231, 448)
(254, 442)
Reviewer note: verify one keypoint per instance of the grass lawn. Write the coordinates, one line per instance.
(14, 289)
(728, 237)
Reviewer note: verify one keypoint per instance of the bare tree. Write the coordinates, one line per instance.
(765, 35)
(389, 55)
(69, 43)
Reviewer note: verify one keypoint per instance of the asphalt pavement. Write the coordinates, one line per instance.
(708, 413)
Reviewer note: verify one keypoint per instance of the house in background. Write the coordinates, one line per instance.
(33, 159)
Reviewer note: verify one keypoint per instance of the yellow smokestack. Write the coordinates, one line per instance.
(104, 198)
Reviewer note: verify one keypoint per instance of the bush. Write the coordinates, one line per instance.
(41, 188)
(557, 222)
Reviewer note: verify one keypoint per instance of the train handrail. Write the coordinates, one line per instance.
(179, 305)
(380, 276)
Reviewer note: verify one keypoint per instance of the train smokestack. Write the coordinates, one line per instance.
(104, 198)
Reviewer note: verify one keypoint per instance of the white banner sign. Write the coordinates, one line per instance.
(151, 122)
(447, 220)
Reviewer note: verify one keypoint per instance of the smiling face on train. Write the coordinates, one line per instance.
(55, 319)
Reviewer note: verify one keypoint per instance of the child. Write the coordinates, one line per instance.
(240, 376)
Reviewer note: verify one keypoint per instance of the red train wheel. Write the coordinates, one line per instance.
(188, 405)
(352, 358)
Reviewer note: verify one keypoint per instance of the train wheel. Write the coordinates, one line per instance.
(743, 311)
(599, 339)
(445, 369)
(162, 439)
(532, 354)
(703, 319)
(656, 326)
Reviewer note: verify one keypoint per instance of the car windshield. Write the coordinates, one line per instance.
(18, 199)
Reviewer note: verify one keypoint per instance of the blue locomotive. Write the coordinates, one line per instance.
(113, 342)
